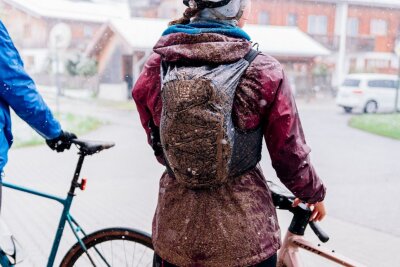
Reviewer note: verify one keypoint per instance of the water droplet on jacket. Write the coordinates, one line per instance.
(262, 103)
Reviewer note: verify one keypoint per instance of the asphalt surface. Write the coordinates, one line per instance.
(361, 172)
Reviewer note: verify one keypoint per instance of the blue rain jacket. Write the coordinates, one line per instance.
(18, 91)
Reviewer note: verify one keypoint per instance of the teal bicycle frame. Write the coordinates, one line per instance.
(65, 216)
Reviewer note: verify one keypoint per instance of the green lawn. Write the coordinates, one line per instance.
(381, 124)
(25, 136)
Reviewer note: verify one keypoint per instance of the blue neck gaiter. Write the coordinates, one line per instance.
(208, 26)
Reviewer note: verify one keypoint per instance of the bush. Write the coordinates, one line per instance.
(79, 66)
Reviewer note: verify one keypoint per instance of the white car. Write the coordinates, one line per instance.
(368, 92)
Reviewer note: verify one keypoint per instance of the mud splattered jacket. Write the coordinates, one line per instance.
(234, 224)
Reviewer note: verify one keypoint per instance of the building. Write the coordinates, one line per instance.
(121, 48)
(372, 28)
(31, 22)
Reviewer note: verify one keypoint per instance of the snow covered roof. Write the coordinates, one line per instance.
(376, 3)
(63, 9)
(140, 33)
(285, 41)
(143, 33)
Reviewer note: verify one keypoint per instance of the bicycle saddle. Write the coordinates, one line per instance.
(91, 147)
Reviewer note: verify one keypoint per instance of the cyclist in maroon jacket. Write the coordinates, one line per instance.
(234, 223)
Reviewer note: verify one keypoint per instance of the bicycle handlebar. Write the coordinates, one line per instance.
(301, 214)
(319, 232)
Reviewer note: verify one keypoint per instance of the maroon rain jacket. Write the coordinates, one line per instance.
(234, 224)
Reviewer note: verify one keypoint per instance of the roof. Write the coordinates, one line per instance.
(69, 10)
(285, 41)
(363, 76)
(376, 3)
(143, 33)
(140, 33)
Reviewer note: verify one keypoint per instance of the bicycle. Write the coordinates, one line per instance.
(288, 255)
(106, 247)
(91, 249)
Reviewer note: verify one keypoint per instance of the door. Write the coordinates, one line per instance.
(384, 92)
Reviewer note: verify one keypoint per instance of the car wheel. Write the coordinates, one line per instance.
(348, 109)
(371, 107)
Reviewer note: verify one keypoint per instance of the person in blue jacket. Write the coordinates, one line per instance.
(18, 91)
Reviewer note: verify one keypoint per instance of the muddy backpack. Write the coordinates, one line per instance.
(201, 145)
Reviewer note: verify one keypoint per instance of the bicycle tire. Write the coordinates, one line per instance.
(96, 241)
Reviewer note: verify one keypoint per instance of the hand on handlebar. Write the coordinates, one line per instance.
(318, 209)
(62, 142)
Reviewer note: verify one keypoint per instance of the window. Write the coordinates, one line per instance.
(318, 24)
(377, 63)
(292, 19)
(29, 62)
(379, 27)
(87, 31)
(382, 83)
(351, 83)
(352, 26)
(27, 31)
(263, 18)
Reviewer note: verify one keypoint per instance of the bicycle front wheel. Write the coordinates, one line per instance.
(112, 248)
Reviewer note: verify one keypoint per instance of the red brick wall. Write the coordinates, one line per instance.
(278, 11)
(391, 16)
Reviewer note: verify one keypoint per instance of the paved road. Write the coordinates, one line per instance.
(360, 170)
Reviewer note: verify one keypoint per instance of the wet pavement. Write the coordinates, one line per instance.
(360, 170)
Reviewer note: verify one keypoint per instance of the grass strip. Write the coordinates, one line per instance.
(387, 125)
(77, 124)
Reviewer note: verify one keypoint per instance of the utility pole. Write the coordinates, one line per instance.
(342, 7)
(396, 103)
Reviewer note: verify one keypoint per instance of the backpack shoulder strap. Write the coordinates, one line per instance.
(251, 55)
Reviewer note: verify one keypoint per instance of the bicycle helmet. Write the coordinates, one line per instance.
(201, 4)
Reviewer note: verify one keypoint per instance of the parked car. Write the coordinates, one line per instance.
(368, 92)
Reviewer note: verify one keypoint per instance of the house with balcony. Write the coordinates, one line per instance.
(372, 27)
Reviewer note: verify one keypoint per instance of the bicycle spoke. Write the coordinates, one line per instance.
(112, 254)
(126, 259)
(102, 258)
(133, 255)
(140, 260)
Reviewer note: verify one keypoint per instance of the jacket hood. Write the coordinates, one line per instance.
(211, 48)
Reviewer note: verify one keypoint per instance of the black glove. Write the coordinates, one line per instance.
(62, 142)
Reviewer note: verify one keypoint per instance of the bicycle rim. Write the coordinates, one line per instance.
(112, 247)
